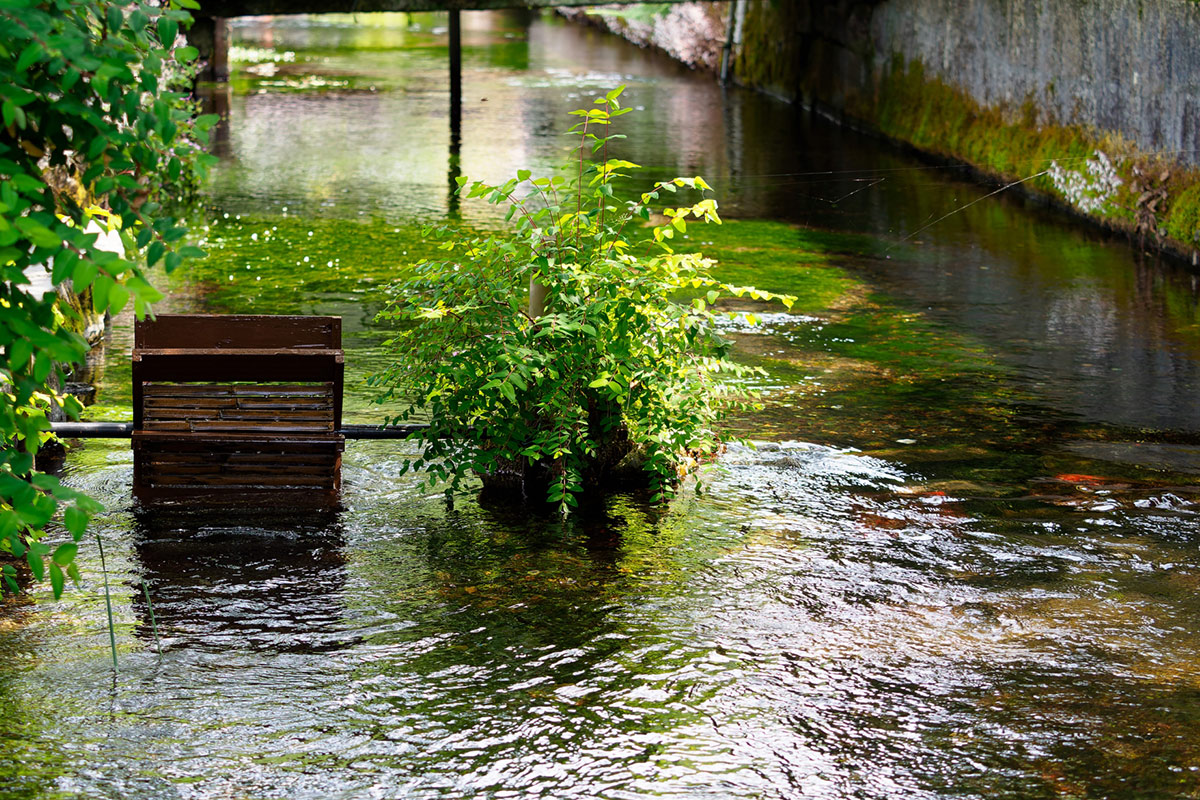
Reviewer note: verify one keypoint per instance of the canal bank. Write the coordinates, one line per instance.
(1092, 107)
(961, 561)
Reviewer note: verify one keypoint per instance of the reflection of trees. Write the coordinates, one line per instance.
(252, 580)
(526, 645)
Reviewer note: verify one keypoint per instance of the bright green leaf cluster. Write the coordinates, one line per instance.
(615, 363)
(92, 131)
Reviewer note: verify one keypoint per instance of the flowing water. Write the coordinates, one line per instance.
(963, 560)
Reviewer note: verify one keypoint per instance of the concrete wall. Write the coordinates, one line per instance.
(1103, 95)
(1125, 66)
(1119, 66)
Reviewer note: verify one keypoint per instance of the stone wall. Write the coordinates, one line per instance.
(691, 32)
(1073, 89)
(1130, 67)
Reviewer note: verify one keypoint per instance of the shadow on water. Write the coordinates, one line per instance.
(256, 580)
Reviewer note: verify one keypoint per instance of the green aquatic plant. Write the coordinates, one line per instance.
(575, 345)
(90, 130)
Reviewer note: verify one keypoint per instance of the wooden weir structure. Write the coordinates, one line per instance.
(234, 407)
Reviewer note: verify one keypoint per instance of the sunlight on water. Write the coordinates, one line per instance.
(959, 561)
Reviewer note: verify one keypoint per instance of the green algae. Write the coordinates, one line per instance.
(291, 265)
(1182, 220)
(858, 369)
(1022, 145)
(930, 114)
(782, 258)
(766, 60)
(1014, 142)
(851, 369)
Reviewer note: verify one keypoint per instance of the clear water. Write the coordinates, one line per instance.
(962, 561)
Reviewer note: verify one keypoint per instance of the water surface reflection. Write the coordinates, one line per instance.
(998, 600)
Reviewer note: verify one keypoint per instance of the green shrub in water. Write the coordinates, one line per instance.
(613, 356)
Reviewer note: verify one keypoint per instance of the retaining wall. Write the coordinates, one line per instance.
(1104, 95)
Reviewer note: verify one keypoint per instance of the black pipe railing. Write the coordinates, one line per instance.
(124, 430)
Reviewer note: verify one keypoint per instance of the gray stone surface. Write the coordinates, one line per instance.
(1127, 66)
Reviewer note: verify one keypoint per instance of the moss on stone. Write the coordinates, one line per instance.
(1182, 219)
(766, 60)
(1020, 144)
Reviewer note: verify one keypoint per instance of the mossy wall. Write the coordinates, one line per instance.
(1100, 96)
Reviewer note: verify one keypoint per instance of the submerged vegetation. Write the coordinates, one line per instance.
(940, 578)
(607, 361)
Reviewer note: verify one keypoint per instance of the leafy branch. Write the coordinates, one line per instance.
(95, 137)
(623, 363)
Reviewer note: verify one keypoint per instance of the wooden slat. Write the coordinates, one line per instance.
(238, 404)
(241, 389)
(157, 470)
(204, 468)
(244, 416)
(212, 427)
(238, 331)
(238, 365)
(279, 460)
(243, 440)
(247, 479)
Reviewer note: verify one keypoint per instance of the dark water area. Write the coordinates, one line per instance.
(960, 562)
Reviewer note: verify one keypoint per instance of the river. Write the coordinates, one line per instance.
(962, 560)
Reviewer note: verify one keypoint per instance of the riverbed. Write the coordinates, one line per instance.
(959, 560)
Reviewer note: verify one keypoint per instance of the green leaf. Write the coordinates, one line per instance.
(63, 266)
(85, 272)
(64, 554)
(155, 252)
(56, 580)
(118, 296)
(36, 564)
(40, 235)
(42, 364)
(168, 29)
(76, 520)
(19, 353)
(100, 289)
(186, 54)
(29, 55)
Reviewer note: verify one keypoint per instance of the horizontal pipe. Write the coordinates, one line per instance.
(124, 430)
(380, 432)
(92, 430)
